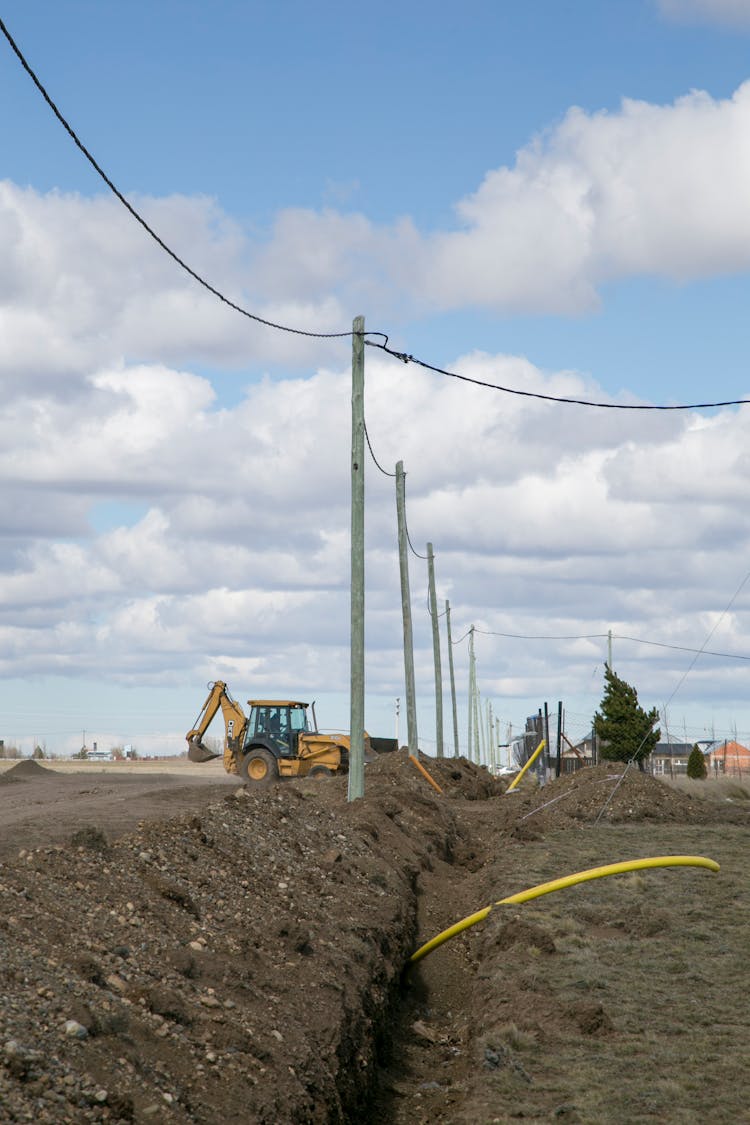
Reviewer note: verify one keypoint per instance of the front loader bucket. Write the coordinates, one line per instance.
(197, 752)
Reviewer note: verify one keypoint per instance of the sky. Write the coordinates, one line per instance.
(548, 197)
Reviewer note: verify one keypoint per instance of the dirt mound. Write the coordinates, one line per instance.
(457, 777)
(25, 770)
(614, 794)
(240, 965)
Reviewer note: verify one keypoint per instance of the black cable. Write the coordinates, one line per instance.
(175, 257)
(615, 637)
(682, 648)
(524, 637)
(406, 358)
(406, 527)
(377, 463)
(463, 638)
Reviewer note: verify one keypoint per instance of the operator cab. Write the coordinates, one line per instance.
(277, 722)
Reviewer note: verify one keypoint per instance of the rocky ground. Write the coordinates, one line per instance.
(245, 960)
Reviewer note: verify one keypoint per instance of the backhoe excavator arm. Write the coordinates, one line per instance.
(235, 723)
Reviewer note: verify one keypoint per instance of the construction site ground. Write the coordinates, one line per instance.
(177, 948)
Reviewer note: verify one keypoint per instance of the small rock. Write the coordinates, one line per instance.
(277, 1035)
(101, 1096)
(75, 1030)
(424, 1032)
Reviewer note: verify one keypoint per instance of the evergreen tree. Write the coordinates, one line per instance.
(696, 764)
(623, 729)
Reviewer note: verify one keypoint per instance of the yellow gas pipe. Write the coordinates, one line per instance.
(561, 884)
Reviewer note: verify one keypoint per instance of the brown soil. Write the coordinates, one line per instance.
(243, 960)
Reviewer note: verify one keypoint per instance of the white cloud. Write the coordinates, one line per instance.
(542, 523)
(657, 190)
(728, 13)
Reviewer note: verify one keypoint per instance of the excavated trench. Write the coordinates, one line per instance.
(245, 963)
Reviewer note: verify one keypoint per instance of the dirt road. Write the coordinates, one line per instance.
(45, 803)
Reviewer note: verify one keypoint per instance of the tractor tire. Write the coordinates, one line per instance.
(319, 773)
(258, 767)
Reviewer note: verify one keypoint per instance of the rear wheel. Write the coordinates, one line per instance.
(320, 772)
(259, 767)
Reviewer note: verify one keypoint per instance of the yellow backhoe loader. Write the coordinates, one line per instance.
(275, 740)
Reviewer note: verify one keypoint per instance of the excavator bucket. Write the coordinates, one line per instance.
(197, 752)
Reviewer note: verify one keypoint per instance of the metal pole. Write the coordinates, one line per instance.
(453, 680)
(403, 560)
(558, 763)
(357, 678)
(543, 767)
(436, 653)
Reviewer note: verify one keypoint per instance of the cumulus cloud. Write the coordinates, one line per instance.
(546, 520)
(596, 198)
(727, 13)
(648, 189)
(239, 564)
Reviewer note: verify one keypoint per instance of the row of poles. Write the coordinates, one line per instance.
(357, 675)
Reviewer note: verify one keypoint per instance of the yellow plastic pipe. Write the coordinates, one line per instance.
(530, 762)
(422, 770)
(561, 884)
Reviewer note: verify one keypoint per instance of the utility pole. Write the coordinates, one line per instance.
(558, 763)
(403, 560)
(436, 653)
(470, 742)
(357, 655)
(453, 679)
(609, 649)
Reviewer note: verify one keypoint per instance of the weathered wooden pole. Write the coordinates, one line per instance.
(558, 762)
(357, 653)
(436, 653)
(477, 719)
(403, 561)
(453, 679)
(470, 737)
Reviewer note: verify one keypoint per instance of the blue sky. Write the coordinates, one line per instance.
(547, 194)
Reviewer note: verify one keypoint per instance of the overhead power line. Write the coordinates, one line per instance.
(149, 230)
(615, 637)
(405, 357)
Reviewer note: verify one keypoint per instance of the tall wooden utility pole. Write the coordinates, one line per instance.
(453, 679)
(609, 649)
(357, 676)
(477, 719)
(472, 670)
(403, 561)
(436, 653)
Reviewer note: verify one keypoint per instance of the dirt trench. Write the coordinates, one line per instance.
(243, 961)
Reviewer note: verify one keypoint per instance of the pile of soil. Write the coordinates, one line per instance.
(25, 770)
(246, 958)
(246, 963)
(611, 794)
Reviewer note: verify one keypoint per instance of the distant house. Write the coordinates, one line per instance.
(670, 759)
(727, 758)
(96, 755)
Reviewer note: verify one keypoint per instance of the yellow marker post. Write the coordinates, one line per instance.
(530, 762)
(424, 772)
(561, 884)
